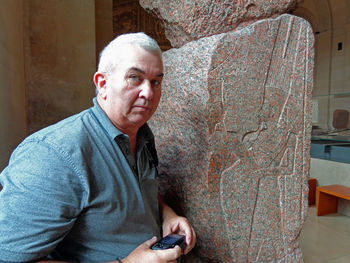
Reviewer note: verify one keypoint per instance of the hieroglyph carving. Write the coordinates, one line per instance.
(233, 136)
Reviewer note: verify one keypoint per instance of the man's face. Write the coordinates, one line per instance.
(133, 90)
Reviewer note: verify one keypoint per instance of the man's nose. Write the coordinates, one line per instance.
(146, 90)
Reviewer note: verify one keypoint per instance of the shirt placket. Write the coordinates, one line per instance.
(128, 154)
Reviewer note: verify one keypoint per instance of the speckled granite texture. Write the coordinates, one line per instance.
(189, 20)
(233, 138)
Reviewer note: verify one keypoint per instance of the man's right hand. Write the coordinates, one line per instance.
(144, 254)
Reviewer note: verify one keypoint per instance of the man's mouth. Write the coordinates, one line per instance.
(142, 107)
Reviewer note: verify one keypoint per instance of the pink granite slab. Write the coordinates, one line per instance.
(233, 138)
(189, 20)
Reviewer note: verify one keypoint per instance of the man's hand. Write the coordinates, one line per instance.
(144, 254)
(172, 223)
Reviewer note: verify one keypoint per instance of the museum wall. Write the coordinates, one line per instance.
(103, 24)
(12, 88)
(331, 24)
(60, 59)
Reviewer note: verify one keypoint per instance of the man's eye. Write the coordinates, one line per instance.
(134, 79)
(155, 83)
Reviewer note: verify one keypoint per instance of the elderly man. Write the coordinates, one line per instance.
(85, 189)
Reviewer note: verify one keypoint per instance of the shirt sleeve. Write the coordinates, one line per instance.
(41, 198)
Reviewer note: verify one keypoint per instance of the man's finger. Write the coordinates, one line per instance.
(190, 241)
(149, 242)
(175, 228)
(170, 253)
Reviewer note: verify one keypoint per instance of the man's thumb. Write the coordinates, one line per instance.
(150, 242)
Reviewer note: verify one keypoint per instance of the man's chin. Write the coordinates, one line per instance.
(139, 120)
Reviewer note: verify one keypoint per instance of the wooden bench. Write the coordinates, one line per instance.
(327, 198)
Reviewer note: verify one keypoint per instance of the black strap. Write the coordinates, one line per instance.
(152, 150)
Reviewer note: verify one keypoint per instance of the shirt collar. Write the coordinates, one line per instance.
(105, 122)
(144, 133)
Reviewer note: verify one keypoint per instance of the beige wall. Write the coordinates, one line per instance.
(330, 20)
(12, 89)
(103, 24)
(47, 60)
(59, 59)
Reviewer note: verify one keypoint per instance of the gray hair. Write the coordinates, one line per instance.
(109, 55)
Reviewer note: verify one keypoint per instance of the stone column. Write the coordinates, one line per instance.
(233, 137)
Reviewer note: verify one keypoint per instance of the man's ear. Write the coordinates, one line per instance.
(100, 81)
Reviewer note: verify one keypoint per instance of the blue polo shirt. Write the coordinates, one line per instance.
(74, 191)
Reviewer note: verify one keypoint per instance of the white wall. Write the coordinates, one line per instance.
(329, 172)
(12, 89)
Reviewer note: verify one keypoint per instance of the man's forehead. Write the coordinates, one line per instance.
(160, 74)
(136, 58)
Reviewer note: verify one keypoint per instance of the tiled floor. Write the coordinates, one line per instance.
(326, 239)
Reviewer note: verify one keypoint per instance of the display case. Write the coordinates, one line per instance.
(331, 147)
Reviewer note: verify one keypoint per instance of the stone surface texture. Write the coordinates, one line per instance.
(189, 20)
(232, 132)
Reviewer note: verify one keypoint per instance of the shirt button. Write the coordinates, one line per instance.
(127, 151)
(134, 167)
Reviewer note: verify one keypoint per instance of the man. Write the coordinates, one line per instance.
(84, 189)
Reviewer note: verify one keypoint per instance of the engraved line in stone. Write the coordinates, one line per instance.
(304, 160)
(286, 42)
(223, 106)
(253, 212)
(282, 209)
(282, 152)
(295, 153)
(261, 245)
(222, 201)
(279, 124)
(217, 46)
(267, 74)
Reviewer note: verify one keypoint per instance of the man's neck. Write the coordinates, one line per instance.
(131, 130)
(132, 141)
